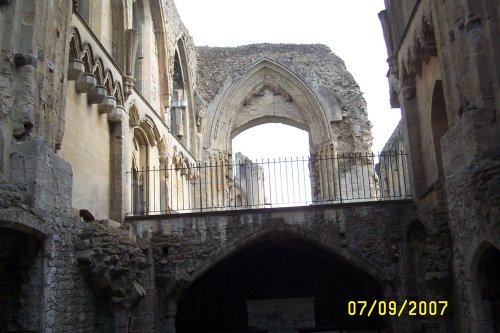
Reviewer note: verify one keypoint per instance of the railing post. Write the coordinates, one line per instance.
(340, 183)
(198, 165)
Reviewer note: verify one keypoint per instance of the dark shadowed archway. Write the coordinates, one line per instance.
(21, 282)
(486, 288)
(273, 284)
(439, 123)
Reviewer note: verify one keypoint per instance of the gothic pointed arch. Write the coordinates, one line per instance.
(266, 76)
(182, 116)
(139, 168)
(99, 71)
(75, 45)
(139, 25)
(88, 58)
(109, 82)
(157, 11)
(150, 130)
(118, 93)
(439, 123)
(279, 232)
(280, 262)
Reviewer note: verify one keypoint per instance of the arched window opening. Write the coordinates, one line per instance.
(138, 24)
(76, 67)
(99, 72)
(271, 166)
(439, 123)
(73, 48)
(140, 173)
(118, 94)
(109, 85)
(87, 61)
(179, 99)
(488, 284)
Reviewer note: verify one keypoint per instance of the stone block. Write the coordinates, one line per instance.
(46, 178)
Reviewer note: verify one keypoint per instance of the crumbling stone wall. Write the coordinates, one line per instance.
(177, 30)
(33, 62)
(37, 204)
(448, 49)
(368, 236)
(316, 65)
(114, 266)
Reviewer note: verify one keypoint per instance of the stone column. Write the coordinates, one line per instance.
(120, 178)
(409, 117)
(324, 173)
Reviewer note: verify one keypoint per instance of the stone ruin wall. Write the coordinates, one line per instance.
(367, 235)
(459, 209)
(316, 65)
(32, 68)
(175, 30)
(35, 193)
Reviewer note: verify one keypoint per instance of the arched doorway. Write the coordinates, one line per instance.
(416, 259)
(21, 282)
(279, 283)
(439, 123)
(140, 167)
(487, 290)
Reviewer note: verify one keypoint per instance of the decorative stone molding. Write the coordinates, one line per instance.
(117, 115)
(97, 95)
(420, 51)
(86, 83)
(133, 114)
(91, 76)
(108, 105)
(76, 68)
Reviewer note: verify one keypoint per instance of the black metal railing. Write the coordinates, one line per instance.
(269, 183)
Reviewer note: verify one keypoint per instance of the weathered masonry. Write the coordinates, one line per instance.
(122, 209)
(211, 264)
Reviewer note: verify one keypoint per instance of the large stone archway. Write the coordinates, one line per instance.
(267, 92)
(277, 282)
(189, 248)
